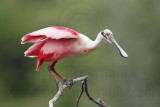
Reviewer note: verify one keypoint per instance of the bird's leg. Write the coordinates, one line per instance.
(57, 73)
(50, 70)
(68, 82)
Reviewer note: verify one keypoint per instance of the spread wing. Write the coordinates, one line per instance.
(49, 32)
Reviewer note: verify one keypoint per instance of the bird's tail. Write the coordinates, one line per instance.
(34, 50)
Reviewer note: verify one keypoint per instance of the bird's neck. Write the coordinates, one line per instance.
(97, 42)
(92, 45)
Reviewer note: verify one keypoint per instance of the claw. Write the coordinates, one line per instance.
(68, 82)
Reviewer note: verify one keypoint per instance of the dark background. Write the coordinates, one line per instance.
(120, 82)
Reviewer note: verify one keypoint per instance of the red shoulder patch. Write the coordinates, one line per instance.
(43, 57)
(88, 50)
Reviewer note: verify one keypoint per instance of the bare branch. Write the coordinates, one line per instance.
(80, 79)
(68, 84)
(100, 102)
(62, 86)
(80, 94)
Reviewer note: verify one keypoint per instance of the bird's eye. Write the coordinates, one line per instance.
(102, 33)
(107, 35)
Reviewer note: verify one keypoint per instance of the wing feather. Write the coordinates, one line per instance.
(50, 32)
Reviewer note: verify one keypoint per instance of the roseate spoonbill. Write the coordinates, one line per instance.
(55, 43)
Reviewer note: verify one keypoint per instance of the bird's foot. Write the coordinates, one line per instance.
(68, 82)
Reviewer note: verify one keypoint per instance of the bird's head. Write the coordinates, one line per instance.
(107, 35)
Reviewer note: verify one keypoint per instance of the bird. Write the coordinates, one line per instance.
(54, 43)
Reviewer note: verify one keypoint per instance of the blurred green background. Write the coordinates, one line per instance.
(120, 82)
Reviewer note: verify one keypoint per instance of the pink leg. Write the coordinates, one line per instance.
(51, 66)
(58, 74)
(50, 70)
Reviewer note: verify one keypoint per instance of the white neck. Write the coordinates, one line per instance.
(97, 42)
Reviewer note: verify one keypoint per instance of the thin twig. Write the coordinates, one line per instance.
(80, 94)
(100, 102)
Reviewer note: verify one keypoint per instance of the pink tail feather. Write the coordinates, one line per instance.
(33, 51)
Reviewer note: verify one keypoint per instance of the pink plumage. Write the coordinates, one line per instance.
(52, 43)
(49, 32)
